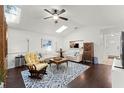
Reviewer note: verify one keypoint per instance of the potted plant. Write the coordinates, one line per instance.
(2, 74)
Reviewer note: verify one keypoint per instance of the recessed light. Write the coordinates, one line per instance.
(112, 35)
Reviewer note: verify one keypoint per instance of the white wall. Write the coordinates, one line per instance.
(88, 34)
(17, 43)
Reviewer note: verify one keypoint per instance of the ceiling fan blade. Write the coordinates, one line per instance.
(48, 11)
(48, 17)
(62, 11)
(63, 18)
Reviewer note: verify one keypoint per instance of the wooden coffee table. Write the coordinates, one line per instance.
(58, 62)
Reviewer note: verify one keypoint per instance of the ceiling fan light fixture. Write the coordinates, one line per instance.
(55, 17)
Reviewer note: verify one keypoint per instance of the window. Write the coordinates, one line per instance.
(12, 14)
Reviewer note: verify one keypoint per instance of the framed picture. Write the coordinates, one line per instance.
(45, 43)
(76, 44)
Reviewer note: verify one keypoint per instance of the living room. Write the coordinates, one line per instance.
(33, 30)
(59, 40)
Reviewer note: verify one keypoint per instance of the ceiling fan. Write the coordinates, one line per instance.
(55, 14)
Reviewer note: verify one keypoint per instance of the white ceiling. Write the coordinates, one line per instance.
(79, 16)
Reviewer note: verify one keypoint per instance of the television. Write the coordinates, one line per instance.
(74, 44)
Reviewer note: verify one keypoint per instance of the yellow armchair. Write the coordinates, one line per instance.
(35, 65)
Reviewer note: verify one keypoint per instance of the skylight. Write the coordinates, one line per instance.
(61, 29)
(12, 14)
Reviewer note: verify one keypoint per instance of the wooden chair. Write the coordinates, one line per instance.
(37, 68)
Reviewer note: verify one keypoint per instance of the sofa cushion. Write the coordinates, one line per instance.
(41, 66)
(76, 53)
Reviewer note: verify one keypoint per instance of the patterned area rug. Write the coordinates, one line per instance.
(55, 78)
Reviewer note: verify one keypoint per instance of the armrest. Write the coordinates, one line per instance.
(31, 66)
(79, 57)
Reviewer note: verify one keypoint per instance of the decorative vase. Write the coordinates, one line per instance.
(2, 85)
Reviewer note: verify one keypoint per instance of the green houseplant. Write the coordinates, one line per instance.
(2, 74)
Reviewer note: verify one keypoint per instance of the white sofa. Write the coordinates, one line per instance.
(75, 55)
(72, 54)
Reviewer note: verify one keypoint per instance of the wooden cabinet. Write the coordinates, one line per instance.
(3, 39)
(88, 53)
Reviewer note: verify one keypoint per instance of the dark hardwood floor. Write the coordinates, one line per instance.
(14, 78)
(97, 76)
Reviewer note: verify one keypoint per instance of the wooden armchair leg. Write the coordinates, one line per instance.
(37, 74)
(44, 71)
